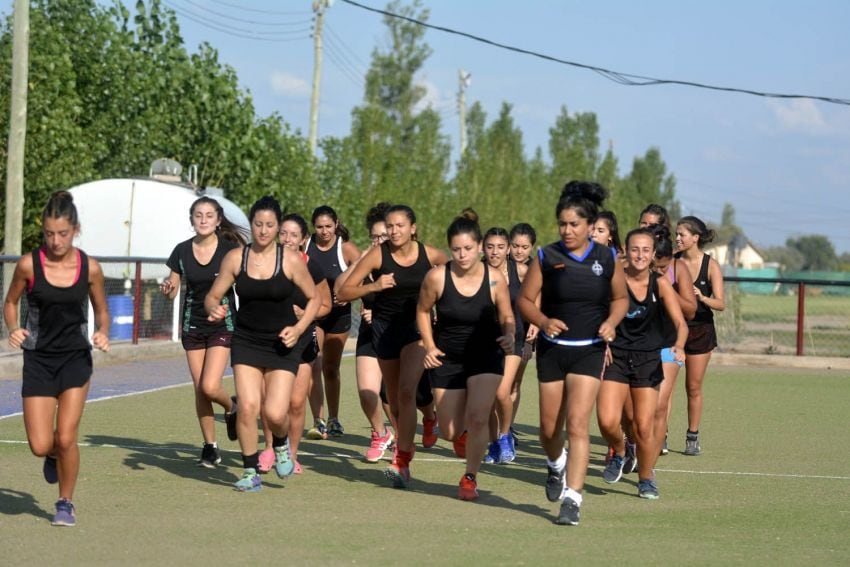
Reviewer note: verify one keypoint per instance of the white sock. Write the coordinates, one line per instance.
(559, 464)
(573, 495)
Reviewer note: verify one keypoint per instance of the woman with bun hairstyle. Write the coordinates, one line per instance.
(398, 267)
(635, 368)
(330, 249)
(56, 280)
(264, 352)
(583, 299)
(207, 344)
(464, 352)
(691, 236)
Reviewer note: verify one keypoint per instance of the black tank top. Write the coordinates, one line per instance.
(466, 326)
(332, 265)
(577, 290)
(263, 305)
(514, 286)
(667, 326)
(642, 327)
(398, 304)
(704, 313)
(57, 317)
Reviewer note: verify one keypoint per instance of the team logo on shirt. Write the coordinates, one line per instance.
(596, 268)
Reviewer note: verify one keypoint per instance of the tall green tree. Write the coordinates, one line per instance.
(817, 251)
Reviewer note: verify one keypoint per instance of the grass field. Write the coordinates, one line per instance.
(771, 487)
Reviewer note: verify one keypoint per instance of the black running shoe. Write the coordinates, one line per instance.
(210, 456)
(230, 421)
(569, 514)
(692, 448)
(556, 482)
(51, 473)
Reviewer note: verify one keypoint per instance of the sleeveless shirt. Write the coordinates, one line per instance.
(466, 326)
(264, 308)
(398, 304)
(642, 327)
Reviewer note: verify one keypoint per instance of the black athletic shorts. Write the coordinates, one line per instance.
(202, 340)
(637, 368)
(454, 372)
(364, 341)
(310, 344)
(424, 394)
(388, 338)
(554, 362)
(702, 339)
(51, 373)
(264, 351)
(337, 322)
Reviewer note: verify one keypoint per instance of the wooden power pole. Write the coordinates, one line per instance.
(463, 83)
(319, 7)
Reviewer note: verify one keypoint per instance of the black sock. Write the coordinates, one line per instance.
(279, 441)
(692, 433)
(251, 461)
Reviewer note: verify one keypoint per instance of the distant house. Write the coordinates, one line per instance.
(738, 252)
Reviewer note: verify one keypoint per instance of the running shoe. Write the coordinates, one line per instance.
(556, 483)
(379, 444)
(468, 489)
(614, 469)
(283, 464)
(647, 489)
(65, 514)
(664, 448)
(492, 455)
(230, 420)
(569, 513)
(51, 473)
(265, 460)
(319, 430)
(250, 481)
(515, 437)
(210, 456)
(335, 428)
(692, 448)
(459, 446)
(297, 469)
(609, 454)
(429, 432)
(630, 462)
(506, 449)
(399, 475)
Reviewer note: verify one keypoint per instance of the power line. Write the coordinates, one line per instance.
(228, 26)
(258, 11)
(230, 17)
(344, 45)
(229, 31)
(341, 52)
(627, 79)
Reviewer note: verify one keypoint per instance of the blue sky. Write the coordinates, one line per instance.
(784, 165)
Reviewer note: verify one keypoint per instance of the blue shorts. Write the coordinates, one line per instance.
(668, 358)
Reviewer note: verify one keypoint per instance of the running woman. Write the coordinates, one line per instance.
(207, 344)
(691, 235)
(496, 254)
(398, 267)
(583, 299)
(264, 352)
(57, 278)
(330, 249)
(465, 352)
(635, 367)
(606, 231)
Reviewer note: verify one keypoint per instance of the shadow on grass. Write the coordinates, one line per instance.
(15, 503)
(177, 460)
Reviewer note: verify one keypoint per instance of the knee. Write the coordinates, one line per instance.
(65, 441)
(477, 421)
(248, 410)
(41, 447)
(210, 389)
(576, 427)
(609, 424)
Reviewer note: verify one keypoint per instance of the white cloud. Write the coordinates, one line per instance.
(432, 98)
(289, 85)
(799, 115)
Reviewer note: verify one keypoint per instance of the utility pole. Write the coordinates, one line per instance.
(17, 139)
(464, 82)
(319, 7)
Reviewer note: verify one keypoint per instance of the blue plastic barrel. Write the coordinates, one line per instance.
(121, 313)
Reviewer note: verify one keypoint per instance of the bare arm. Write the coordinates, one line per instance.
(674, 312)
(23, 273)
(231, 264)
(296, 269)
(436, 256)
(170, 285)
(100, 338)
(353, 288)
(687, 299)
(429, 293)
(502, 298)
(619, 304)
(715, 276)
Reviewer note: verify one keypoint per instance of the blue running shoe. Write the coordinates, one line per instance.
(506, 449)
(492, 455)
(630, 463)
(647, 489)
(250, 481)
(65, 514)
(614, 469)
(51, 474)
(283, 465)
(569, 513)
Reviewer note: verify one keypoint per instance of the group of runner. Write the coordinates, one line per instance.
(448, 335)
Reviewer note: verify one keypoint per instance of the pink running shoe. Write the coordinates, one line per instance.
(379, 444)
(266, 460)
(298, 469)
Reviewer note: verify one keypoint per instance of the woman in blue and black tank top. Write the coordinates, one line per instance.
(464, 353)
(57, 279)
(691, 235)
(197, 261)
(582, 300)
(397, 267)
(264, 352)
(331, 250)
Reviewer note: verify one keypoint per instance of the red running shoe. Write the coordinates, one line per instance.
(429, 432)
(468, 489)
(459, 445)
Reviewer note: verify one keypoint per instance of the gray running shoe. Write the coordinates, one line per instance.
(65, 514)
(614, 469)
(631, 462)
(647, 489)
(335, 428)
(692, 448)
(556, 482)
(569, 514)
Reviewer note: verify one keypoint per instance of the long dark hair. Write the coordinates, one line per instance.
(698, 227)
(613, 228)
(226, 228)
(326, 211)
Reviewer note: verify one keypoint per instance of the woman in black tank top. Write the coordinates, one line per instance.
(330, 248)
(464, 353)
(398, 267)
(263, 352)
(57, 279)
(691, 235)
